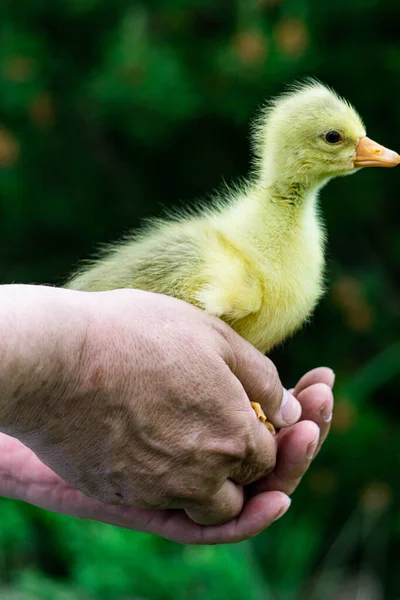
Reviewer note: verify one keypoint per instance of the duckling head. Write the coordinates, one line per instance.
(309, 135)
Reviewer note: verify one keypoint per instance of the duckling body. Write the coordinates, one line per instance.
(255, 258)
(264, 287)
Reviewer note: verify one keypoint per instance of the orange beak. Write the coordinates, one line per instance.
(371, 154)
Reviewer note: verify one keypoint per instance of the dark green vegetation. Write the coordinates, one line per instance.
(111, 110)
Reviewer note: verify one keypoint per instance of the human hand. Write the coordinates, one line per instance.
(152, 408)
(24, 477)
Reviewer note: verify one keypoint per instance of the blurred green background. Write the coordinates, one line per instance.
(111, 110)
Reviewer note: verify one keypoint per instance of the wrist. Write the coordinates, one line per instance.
(42, 333)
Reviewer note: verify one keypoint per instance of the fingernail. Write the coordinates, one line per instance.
(326, 413)
(283, 510)
(290, 408)
(312, 448)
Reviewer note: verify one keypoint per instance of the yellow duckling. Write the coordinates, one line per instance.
(256, 257)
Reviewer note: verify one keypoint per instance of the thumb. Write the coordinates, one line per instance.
(260, 380)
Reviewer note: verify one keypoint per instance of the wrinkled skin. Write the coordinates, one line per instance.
(152, 410)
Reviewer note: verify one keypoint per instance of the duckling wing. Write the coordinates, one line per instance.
(191, 261)
(232, 288)
(165, 260)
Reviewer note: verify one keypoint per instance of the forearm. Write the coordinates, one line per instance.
(41, 336)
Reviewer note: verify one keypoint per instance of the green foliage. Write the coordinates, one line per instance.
(110, 111)
(89, 560)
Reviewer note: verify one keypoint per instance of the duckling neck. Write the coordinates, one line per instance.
(277, 214)
(289, 201)
(293, 195)
(287, 195)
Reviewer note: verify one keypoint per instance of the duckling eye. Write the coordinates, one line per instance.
(333, 137)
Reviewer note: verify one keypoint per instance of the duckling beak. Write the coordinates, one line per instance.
(371, 154)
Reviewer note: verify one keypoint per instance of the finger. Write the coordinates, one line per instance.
(260, 456)
(224, 506)
(258, 514)
(317, 406)
(260, 380)
(318, 375)
(296, 449)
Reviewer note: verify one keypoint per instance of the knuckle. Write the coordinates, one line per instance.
(241, 443)
(259, 462)
(251, 446)
(266, 384)
(227, 337)
(272, 383)
(271, 389)
(252, 459)
(252, 470)
(268, 462)
(222, 329)
(238, 442)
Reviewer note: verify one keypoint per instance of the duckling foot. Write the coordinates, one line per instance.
(260, 414)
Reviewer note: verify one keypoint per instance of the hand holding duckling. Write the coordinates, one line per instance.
(255, 257)
(128, 417)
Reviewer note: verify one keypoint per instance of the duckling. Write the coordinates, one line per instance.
(255, 257)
